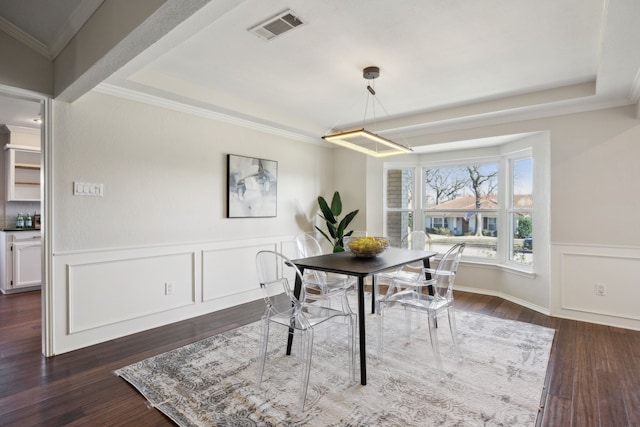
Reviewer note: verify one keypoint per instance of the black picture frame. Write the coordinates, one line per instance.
(252, 187)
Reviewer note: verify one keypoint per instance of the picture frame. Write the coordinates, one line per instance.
(252, 187)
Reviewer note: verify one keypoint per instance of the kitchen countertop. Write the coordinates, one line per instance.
(18, 229)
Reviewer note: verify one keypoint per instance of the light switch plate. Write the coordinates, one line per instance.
(88, 189)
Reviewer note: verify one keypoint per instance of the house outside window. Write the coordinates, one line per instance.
(439, 222)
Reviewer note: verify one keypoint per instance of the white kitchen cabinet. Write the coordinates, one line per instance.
(22, 173)
(21, 261)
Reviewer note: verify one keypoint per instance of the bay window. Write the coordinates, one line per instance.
(486, 203)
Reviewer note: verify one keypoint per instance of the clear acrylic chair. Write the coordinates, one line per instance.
(320, 285)
(443, 277)
(410, 275)
(283, 308)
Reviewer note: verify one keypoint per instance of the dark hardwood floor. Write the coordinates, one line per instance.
(593, 377)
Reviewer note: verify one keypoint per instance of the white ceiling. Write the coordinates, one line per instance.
(443, 64)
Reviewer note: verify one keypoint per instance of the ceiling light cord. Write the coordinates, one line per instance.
(370, 100)
(365, 141)
(375, 100)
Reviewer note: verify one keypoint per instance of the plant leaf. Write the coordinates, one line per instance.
(324, 234)
(324, 207)
(345, 222)
(332, 230)
(336, 204)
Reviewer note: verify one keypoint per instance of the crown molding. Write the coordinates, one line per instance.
(411, 130)
(24, 38)
(133, 95)
(507, 116)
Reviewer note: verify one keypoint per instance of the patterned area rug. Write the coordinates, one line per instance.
(498, 382)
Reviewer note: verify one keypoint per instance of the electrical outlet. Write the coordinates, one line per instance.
(601, 289)
(169, 288)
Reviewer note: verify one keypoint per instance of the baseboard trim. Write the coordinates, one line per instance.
(511, 298)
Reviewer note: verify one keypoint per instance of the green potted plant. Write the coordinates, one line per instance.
(336, 228)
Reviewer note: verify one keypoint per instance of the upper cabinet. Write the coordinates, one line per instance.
(23, 173)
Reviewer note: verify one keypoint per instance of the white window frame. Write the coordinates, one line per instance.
(464, 161)
(416, 188)
(509, 159)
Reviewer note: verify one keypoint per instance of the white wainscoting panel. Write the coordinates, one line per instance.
(579, 268)
(230, 271)
(103, 293)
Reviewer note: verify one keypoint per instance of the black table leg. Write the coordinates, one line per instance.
(297, 289)
(426, 262)
(363, 346)
(374, 294)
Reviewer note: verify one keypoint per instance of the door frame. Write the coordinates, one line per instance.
(46, 207)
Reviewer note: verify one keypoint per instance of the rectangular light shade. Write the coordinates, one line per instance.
(367, 142)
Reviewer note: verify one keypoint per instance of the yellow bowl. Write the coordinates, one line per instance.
(366, 247)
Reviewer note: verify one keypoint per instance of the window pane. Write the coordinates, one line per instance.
(400, 189)
(522, 184)
(449, 228)
(461, 187)
(522, 239)
(399, 224)
(461, 205)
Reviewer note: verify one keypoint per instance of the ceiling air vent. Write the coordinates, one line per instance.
(277, 25)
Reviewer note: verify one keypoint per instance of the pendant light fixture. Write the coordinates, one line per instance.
(365, 141)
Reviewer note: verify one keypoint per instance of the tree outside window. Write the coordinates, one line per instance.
(461, 204)
(521, 210)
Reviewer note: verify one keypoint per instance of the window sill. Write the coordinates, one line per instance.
(504, 267)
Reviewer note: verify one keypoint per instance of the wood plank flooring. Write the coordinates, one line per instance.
(593, 377)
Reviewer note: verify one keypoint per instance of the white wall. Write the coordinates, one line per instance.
(162, 217)
(593, 175)
(350, 180)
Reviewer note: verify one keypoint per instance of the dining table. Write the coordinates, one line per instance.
(349, 264)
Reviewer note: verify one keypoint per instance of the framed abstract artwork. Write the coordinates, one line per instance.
(252, 187)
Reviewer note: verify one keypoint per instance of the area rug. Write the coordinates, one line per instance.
(497, 382)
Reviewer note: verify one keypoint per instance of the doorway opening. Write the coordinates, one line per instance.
(25, 118)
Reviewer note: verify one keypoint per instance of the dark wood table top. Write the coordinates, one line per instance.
(349, 264)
